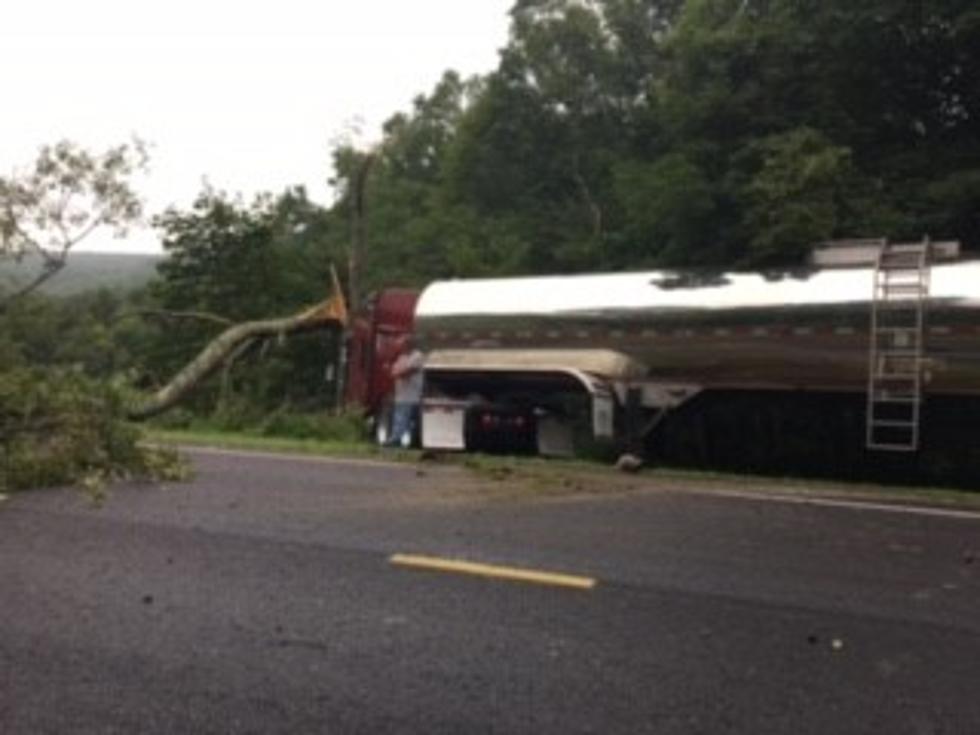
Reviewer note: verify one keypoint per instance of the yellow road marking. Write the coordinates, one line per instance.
(492, 571)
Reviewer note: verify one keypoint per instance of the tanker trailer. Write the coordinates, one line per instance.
(549, 364)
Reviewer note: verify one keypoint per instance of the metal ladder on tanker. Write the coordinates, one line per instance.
(895, 381)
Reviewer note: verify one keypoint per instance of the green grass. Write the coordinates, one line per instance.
(258, 442)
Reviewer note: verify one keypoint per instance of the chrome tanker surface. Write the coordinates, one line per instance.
(797, 330)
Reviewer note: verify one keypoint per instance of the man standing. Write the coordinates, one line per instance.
(407, 372)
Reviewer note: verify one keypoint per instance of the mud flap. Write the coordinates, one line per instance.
(603, 413)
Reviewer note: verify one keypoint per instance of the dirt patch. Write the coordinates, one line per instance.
(512, 479)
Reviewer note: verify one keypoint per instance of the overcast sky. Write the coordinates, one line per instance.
(249, 95)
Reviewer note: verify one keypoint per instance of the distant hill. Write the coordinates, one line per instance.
(87, 272)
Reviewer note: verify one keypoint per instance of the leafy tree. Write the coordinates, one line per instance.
(536, 146)
(242, 262)
(551, 145)
(229, 263)
(67, 195)
(626, 133)
(78, 332)
(413, 231)
(887, 86)
(803, 190)
(669, 206)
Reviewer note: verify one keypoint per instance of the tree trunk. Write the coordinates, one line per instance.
(355, 259)
(332, 312)
(358, 231)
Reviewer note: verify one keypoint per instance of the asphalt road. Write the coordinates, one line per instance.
(260, 598)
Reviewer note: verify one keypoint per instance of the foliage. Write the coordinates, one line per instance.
(802, 189)
(848, 111)
(249, 441)
(228, 263)
(619, 134)
(59, 427)
(242, 261)
(243, 417)
(68, 194)
(87, 332)
(668, 206)
(414, 233)
(344, 427)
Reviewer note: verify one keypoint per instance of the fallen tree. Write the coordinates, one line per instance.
(222, 351)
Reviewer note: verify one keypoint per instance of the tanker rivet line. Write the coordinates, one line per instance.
(491, 571)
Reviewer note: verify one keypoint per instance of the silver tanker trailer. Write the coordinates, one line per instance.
(541, 362)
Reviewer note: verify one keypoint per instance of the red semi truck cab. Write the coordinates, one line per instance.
(375, 332)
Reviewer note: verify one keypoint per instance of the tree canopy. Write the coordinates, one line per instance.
(69, 193)
(727, 133)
